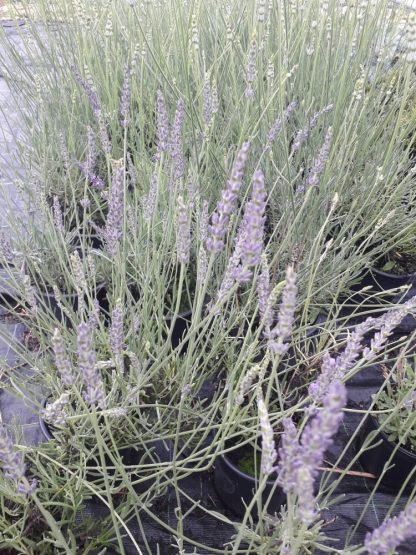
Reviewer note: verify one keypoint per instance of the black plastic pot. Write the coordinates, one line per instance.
(383, 281)
(236, 488)
(402, 463)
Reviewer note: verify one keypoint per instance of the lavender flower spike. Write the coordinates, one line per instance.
(89, 91)
(252, 246)
(149, 203)
(320, 162)
(298, 465)
(61, 359)
(116, 334)
(393, 532)
(183, 232)
(268, 451)
(125, 98)
(175, 141)
(286, 315)
(303, 134)
(251, 71)
(221, 217)
(114, 226)
(94, 393)
(12, 461)
(57, 215)
(263, 294)
(277, 126)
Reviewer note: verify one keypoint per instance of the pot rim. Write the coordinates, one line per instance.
(392, 276)
(398, 449)
(244, 475)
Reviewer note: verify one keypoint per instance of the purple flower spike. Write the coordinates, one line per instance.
(393, 532)
(175, 142)
(61, 359)
(183, 232)
(255, 218)
(299, 461)
(125, 98)
(12, 461)
(320, 162)
(221, 217)
(303, 134)
(89, 91)
(251, 71)
(57, 215)
(114, 226)
(268, 451)
(263, 294)
(277, 126)
(149, 203)
(162, 123)
(286, 315)
(116, 334)
(94, 393)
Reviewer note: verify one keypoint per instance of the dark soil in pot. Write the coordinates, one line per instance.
(373, 460)
(236, 486)
(181, 326)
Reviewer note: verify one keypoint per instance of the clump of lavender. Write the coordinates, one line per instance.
(61, 359)
(183, 232)
(320, 162)
(221, 217)
(162, 125)
(252, 246)
(175, 141)
(303, 134)
(12, 461)
(277, 126)
(251, 71)
(299, 461)
(94, 393)
(89, 90)
(116, 333)
(286, 316)
(393, 532)
(114, 227)
(268, 451)
(125, 98)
